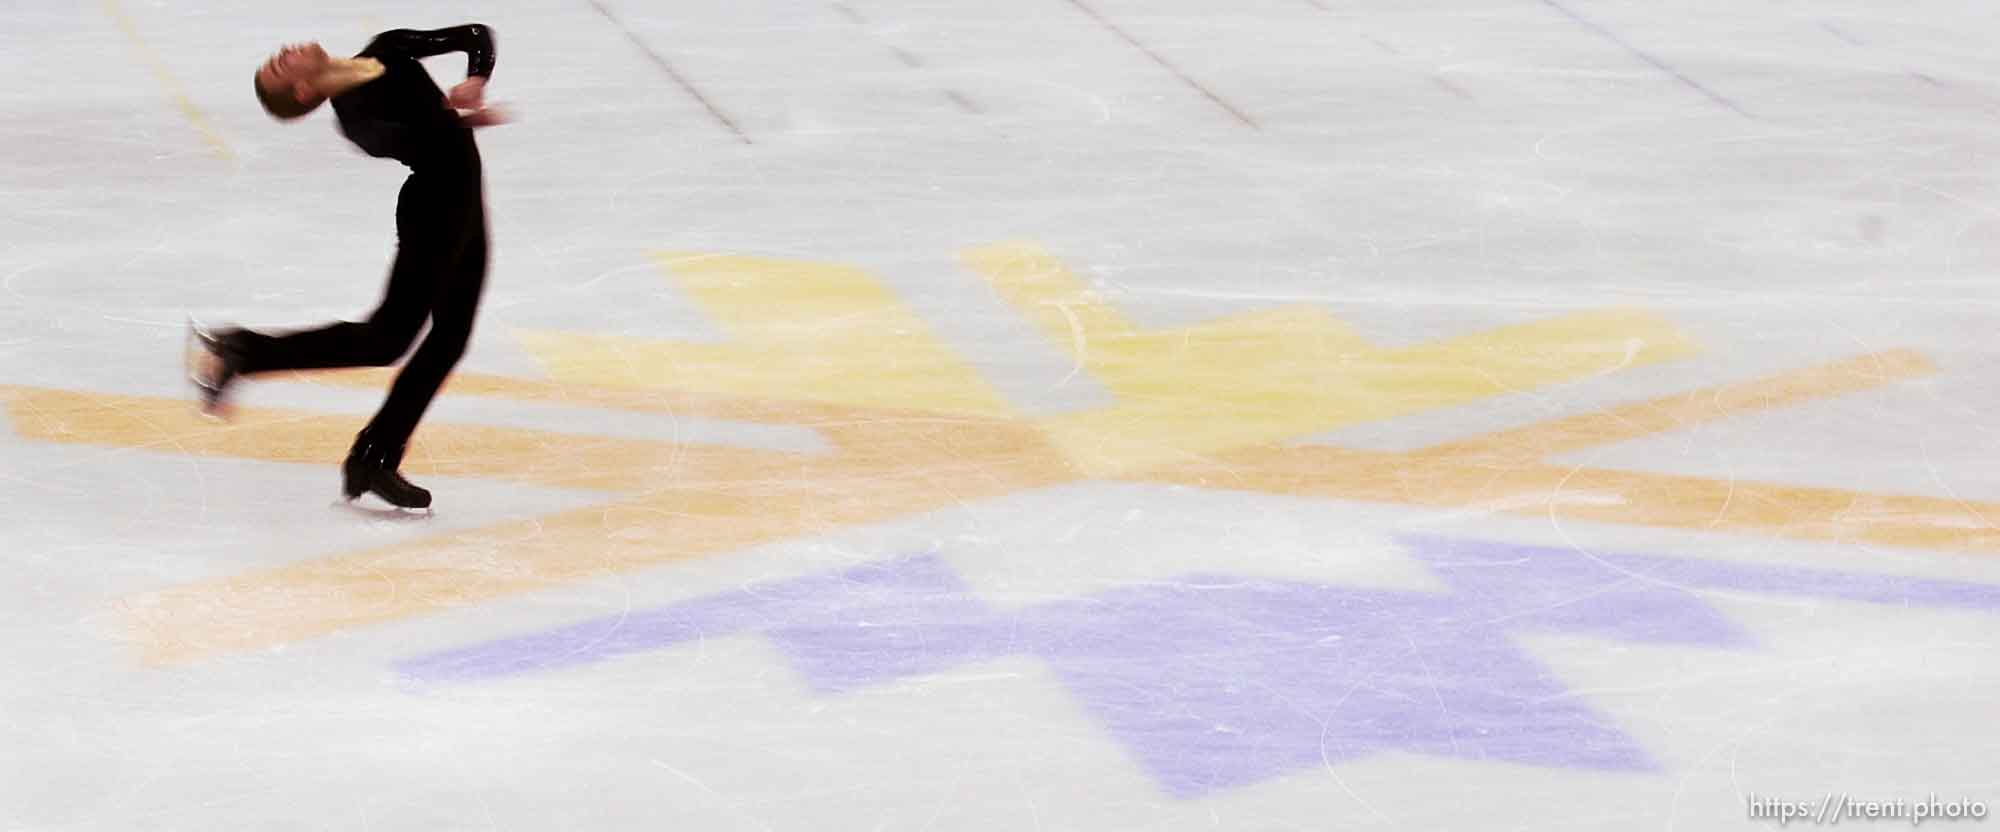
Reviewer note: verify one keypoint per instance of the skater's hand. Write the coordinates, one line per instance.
(486, 116)
(470, 94)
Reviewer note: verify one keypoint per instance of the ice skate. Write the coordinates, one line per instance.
(214, 360)
(371, 467)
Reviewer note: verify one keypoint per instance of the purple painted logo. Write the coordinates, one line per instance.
(1213, 681)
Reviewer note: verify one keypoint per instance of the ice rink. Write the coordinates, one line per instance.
(1066, 414)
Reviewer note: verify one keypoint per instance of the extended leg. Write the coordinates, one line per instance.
(424, 255)
(428, 246)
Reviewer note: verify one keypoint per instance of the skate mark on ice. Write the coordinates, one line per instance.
(1649, 58)
(1842, 34)
(1169, 66)
(675, 75)
(1449, 86)
(911, 60)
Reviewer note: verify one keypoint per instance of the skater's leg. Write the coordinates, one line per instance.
(378, 450)
(451, 328)
(428, 243)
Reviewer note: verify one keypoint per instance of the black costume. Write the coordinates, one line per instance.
(440, 266)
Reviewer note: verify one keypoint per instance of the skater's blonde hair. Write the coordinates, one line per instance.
(283, 105)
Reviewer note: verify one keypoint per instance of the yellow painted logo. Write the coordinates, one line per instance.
(914, 427)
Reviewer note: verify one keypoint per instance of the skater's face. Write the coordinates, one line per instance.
(293, 69)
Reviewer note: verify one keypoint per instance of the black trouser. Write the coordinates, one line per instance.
(439, 273)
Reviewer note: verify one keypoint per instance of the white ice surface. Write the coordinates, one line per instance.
(1788, 183)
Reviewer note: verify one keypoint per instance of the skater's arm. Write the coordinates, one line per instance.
(474, 39)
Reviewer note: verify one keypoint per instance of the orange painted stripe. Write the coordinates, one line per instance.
(530, 456)
(683, 502)
(1682, 410)
(709, 512)
(893, 463)
(1628, 497)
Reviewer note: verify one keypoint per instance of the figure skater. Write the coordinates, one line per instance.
(387, 105)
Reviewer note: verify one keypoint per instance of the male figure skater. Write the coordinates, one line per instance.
(387, 105)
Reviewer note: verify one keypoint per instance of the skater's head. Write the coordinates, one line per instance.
(288, 83)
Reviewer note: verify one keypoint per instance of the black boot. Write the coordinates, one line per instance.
(215, 365)
(372, 467)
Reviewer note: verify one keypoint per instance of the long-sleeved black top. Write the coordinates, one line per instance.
(402, 114)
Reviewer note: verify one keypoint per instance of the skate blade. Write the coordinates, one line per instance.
(200, 344)
(382, 511)
(220, 413)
